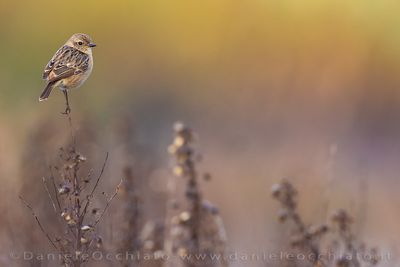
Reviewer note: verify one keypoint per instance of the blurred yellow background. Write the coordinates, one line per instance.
(301, 89)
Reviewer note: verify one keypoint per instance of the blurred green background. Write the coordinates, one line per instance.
(305, 89)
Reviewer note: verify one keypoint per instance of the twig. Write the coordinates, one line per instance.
(48, 192)
(87, 179)
(55, 188)
(38, 222)
(108, 203)
(99, 177)
(71, 130)
(95, 186)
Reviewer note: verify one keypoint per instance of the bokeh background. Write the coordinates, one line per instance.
(307, 90)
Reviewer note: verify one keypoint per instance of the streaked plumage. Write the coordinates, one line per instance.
(70, 66)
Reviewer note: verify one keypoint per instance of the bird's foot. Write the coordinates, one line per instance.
(67, 111)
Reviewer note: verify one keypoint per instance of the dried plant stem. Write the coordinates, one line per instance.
(108, 203)
(304, 239)
(39, 223)
(73, 138)
(90, 196)
(194, 199)
(197, 229)
(55, 189)
(309, 238)
(48, 193)
(100, 175)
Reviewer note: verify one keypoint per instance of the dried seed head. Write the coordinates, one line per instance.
(64, 213)
(316, 230)
(282, 215)
(64, 190)
(341, 216)
(178, 171)
(209, 207)
(184, 132)
(81, 158)
(86, 227)
(67, 216)
(179, 141)
(71, 222)
(286, 194)
(184, 217)
(275, 190)
(182, 252)
(342, 219)
(183, 153)
(172, 149)
(99, 242)
(178, 126)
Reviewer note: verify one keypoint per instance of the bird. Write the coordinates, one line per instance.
(70, 66)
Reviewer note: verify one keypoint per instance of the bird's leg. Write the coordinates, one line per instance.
(67, 108)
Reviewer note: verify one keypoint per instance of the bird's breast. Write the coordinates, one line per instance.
(78, 79)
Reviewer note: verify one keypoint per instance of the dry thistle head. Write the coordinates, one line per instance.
(197, 228)
(308, 238)
(285, 193)
(342, 219)
(282, 215)
(318, 230)
(182, 150)
(374, 256)
(304, 238)
(152, 240)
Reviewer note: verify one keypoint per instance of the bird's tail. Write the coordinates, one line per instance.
(46, 92)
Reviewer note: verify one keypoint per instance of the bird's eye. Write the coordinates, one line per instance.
(80, 43)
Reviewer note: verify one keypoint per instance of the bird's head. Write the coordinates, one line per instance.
(82, 42)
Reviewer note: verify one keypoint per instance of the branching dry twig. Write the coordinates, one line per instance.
(39, 223)
(66, 201)
(90, 196)
(108, 203)
(308, 238)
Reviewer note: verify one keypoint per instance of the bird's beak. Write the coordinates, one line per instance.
(92, 45)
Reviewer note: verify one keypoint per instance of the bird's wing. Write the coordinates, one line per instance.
(66, 62)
